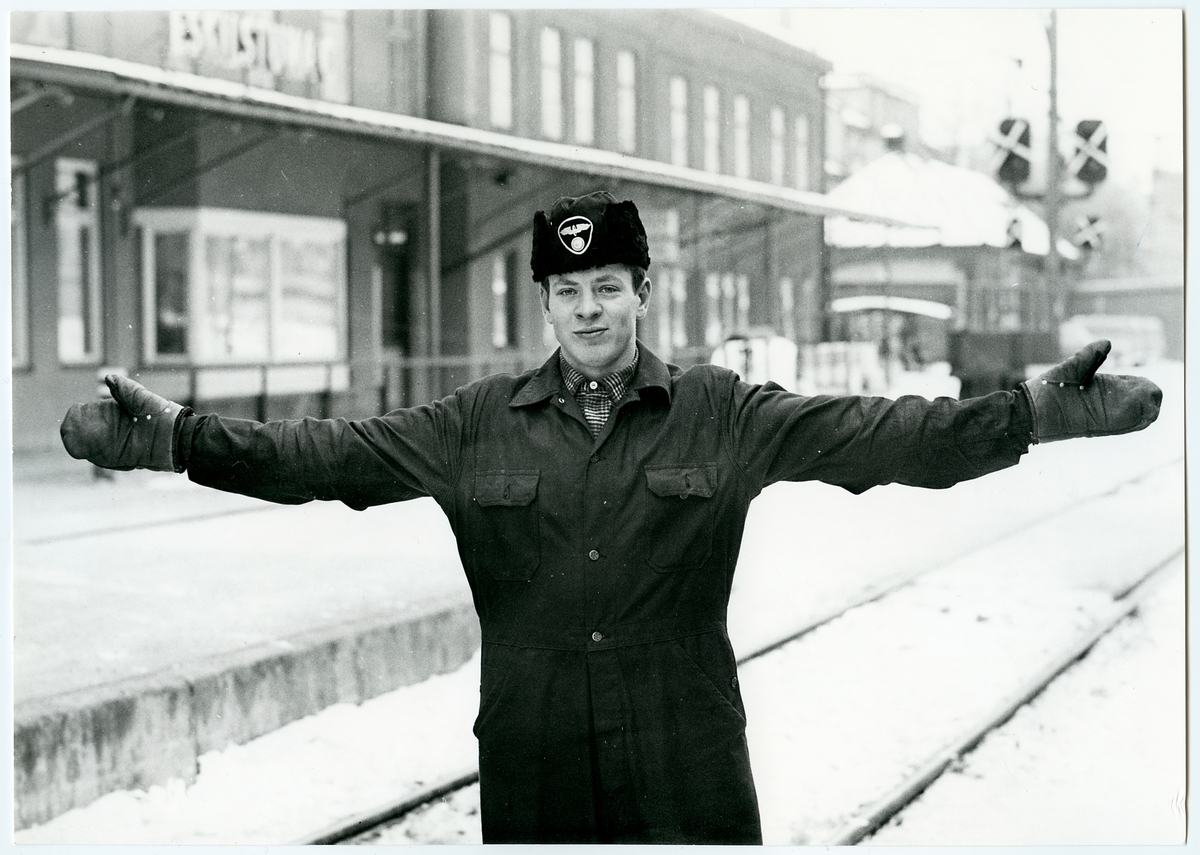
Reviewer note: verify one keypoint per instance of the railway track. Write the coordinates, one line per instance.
(869, 818)
(873, 817)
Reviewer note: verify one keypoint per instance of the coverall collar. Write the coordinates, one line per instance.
(547, 380)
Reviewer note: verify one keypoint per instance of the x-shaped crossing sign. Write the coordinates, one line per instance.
(1090, 230)
(1090, 145)
(1008, 143)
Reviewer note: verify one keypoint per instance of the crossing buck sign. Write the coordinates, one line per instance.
(1011, 160)
(1089, 231)
(1090, 163)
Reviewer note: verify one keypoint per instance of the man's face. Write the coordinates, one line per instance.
(594, 313)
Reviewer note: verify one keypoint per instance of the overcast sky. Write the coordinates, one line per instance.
(1124, 66)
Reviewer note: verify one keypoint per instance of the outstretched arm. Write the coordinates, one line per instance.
(403, 455)
(861, 442)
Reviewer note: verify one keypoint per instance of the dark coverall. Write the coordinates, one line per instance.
(601, 568)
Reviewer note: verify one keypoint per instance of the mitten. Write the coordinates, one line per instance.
(1070, 400)
(133, 430)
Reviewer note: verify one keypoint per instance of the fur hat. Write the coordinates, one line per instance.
(587, 231)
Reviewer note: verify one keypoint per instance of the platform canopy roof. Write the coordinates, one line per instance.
(72, 68)
(958, 207)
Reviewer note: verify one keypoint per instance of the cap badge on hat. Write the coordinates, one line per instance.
(576, 234)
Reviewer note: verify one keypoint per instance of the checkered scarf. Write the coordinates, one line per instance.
(596, 397)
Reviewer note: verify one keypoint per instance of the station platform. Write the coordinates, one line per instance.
(156, 621)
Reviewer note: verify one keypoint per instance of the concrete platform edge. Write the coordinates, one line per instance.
(72, 748)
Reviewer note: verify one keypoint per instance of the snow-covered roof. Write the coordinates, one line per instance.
(864, 302)
(958, 207)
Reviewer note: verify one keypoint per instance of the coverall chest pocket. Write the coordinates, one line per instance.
(680, 518)
(507, 544)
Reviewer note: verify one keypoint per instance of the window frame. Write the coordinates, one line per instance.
(203, 223)
(19, 248)
(741, 136)
(551, 63)
(677, 99)
(800, 152)
(66, 170)
(500, 71)
(584, 92)
(627, 123)
(506, 334)
(778, 146)
(712, 129)
(713, 321)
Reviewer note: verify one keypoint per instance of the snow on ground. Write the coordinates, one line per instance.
(297, 780)
(454, 819)
(838, 718)
(1098, 759)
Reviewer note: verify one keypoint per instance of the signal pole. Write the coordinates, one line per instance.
(1053, 178)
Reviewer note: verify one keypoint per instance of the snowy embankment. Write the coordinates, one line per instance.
(836, 718)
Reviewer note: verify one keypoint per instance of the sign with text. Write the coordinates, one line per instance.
(254, 41)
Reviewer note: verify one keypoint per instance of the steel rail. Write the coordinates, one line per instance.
(346, 829)
(871, 819)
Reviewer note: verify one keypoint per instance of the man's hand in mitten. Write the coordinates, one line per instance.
(1071, 400)
(133, 430)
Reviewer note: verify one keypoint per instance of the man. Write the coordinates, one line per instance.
(599, 503)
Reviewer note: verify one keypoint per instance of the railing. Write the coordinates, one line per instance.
(259, 381)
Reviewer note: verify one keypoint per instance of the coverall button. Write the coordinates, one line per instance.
(595, 458)
(597, 636)
(594, 555)
(733, 682)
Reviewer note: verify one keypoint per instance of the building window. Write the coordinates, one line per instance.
(235, 291)
(626, 102)
(743, 301)
(500, 89)
(672, 317)
(728, 305)
(585, 93)
(172, 262)
(20, 270)
(504, 301)
(238, 287)
(678, 308)
(78, 225)
(552, 106)
(741, 137)
(800, 178)
(679, 121)
(787, 309)
(712, 309)
(712, 129)
(778, 132)
(672, 283)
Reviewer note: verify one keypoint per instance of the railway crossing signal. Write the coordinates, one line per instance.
(1090, 163)
(1013, 234)
(1090, 231)
(1011, 161)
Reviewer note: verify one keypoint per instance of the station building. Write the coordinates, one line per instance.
(275, 214)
